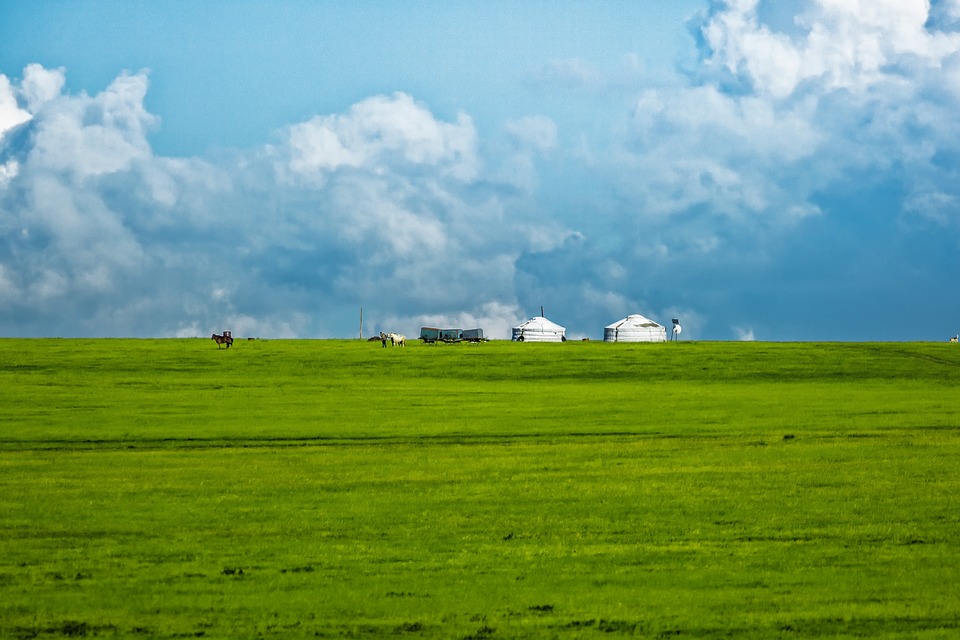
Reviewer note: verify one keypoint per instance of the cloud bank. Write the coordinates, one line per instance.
(383, 206)
(799, 178)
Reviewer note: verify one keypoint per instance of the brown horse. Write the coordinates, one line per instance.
(226, 339)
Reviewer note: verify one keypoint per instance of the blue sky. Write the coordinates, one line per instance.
(761, 170)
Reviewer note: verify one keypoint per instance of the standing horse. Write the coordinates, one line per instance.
(395, 339)
(226, 339)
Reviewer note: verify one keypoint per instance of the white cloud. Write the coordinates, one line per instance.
(11, 114)
(528, 138)
(373, 217)
(86, 137)
(740, 45)
(767, 143)
(41, 85)
(698, 146)
(8, 171)
(380, 131)
(855, 87)
(383, 204)
(843, 44)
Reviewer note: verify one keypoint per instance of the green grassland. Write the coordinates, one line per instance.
(288, 489)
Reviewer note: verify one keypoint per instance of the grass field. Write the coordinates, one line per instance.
(287, 489)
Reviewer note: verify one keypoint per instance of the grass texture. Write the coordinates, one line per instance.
(288, 489)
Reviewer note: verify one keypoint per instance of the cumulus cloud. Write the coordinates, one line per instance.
(41, 85)
(11, 114)
(89, 136)
(380, 205)
(855, 87)
(699, 145)
(379, 131)
(527, 140)
(842, 44)
(8, 171)
(799, 125)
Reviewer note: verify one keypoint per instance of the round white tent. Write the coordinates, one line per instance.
(635, 328)
(538, 329)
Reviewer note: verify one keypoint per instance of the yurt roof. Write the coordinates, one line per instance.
(634, 321)
(540, 323)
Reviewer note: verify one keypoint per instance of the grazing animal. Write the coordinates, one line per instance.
(226, 339)
(396, 340)
(954, 338)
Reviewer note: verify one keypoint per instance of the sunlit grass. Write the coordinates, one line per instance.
(333, 488)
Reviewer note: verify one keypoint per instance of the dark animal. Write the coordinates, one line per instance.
(226, 339)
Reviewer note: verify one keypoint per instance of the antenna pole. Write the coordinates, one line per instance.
(361, 323)
(541, 312)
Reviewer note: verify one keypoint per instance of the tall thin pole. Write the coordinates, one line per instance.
(361, 323)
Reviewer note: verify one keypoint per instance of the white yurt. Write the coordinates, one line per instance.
(634, 328)
(538, 329)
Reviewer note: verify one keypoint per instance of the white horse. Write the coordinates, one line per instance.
(395, 339)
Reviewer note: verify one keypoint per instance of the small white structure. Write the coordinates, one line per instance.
(635, 328)
(539, 329)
